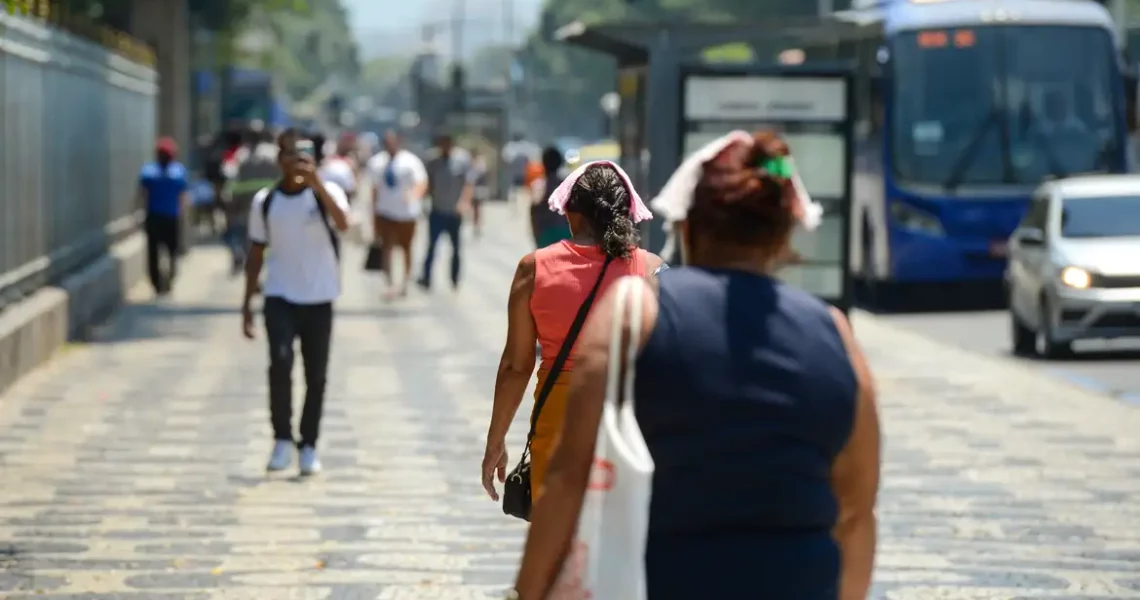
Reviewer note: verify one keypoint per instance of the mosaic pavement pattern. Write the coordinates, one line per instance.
(133, 465)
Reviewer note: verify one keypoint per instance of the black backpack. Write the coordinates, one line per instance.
(333, 237)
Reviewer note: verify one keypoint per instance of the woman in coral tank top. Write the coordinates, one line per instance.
(549, 287)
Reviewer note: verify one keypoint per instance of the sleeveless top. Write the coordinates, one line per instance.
(745, 395)
(564, 274)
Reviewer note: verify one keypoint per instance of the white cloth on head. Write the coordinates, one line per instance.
(676, 197)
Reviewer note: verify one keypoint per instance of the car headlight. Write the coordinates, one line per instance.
(1076, 277)
(909, 217)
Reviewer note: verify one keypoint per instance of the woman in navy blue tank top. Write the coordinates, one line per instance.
(753, 397)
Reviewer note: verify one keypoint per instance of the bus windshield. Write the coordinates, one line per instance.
(248, 103)
(1005, 105)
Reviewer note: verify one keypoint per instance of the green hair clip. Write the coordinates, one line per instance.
(780, 166)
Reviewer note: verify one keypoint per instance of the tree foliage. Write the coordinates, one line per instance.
(309, 40)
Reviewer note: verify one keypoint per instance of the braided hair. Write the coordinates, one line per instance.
(601, 197)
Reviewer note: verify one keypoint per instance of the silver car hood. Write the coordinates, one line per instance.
(1110, 256)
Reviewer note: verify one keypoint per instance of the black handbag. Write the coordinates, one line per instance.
(516, 489)
(374, 262)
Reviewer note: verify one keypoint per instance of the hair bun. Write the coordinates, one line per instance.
(734, 177)
(736, 199)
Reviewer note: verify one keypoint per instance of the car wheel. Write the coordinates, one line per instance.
(1044, 344)
(1021, 335)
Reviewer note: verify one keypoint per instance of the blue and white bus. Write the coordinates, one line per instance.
(965, 106)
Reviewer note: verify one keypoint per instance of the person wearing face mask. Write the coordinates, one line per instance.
(753, 399)
(300, 217)
(164, 194)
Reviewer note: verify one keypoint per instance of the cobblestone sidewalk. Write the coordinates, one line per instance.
(133, 465)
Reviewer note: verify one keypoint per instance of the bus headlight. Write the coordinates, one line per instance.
(1076, 277)
(909, 217)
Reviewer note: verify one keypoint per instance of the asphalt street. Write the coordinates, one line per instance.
(1111, 367)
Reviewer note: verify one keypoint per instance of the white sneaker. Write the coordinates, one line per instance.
(282, 456)
(310, 464)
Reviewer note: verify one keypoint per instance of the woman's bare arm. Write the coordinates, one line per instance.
(555, 513)
(855, 479)
(515, 369)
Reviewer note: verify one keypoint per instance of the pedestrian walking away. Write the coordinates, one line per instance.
(164, 192)
(299, 217)
(451, 185)
(753, 400)
(549, 297)
(481, 176)
(548, 227)
(399, 182)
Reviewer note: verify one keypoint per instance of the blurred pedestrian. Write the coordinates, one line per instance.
(480, 173)
(299, 217)
(399, 183)
(451, 185)
(518, 154)
(340, 166)
(550, 287)
(548, 227)
(255, 168)
(164, 192)
(753, 397)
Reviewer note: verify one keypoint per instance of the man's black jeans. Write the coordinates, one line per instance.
(162, 232)
(440, 223)
(312, 324)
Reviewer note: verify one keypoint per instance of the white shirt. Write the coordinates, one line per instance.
(398, 202)
(339, 171)
(301, 265)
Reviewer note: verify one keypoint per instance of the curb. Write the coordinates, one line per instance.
(31, 331)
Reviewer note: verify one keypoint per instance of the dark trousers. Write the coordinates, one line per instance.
(162, 232)
(236, 238)
(438, 224)
(312, 324)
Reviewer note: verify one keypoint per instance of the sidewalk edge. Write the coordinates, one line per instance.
(32, 330)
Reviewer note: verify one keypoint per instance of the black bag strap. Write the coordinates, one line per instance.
(333, 238)
(564, 354)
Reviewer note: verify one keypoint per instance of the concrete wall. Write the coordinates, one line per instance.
(76, 124)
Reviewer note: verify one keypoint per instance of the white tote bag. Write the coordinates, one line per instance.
(607, 559)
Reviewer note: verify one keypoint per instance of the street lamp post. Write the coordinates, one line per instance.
(610, 104)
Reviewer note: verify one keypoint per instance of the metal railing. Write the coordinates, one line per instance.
(77, 121)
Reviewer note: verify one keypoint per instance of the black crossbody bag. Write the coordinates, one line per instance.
(516, 489)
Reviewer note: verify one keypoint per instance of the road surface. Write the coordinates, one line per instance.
(133, 465)
(1108, 367)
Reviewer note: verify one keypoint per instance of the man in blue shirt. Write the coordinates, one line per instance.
(164, 190)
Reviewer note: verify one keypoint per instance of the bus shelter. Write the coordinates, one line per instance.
(672, 104)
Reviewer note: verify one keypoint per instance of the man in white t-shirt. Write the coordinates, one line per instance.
(399, 182)
(299, 217)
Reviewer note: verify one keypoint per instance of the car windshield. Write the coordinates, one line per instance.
(1005, 104)
(1115, 216)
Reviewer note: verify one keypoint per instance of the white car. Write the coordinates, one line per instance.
(1074, 265)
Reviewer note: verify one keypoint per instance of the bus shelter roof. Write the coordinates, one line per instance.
(632, 41)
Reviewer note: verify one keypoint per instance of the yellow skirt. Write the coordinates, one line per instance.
(548, 428)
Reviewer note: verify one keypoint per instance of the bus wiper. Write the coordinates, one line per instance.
(1028, 120)
(970, 152)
